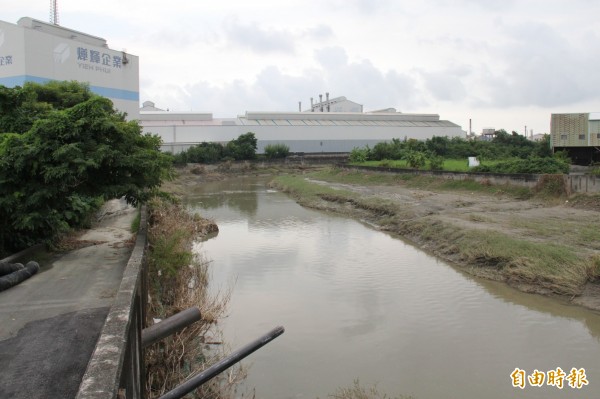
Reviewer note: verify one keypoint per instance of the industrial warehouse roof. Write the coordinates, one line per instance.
(326, 122)
(395, 119)
(392, 119)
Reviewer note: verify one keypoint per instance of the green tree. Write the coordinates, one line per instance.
(438, 145)
(242, 148)
(543, 148)
(22, 106)
(73, 157)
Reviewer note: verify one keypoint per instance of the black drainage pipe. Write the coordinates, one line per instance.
(212, 371)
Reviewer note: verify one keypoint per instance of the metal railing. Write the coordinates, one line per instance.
(116, 369)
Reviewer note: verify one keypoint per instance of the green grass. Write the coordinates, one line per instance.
(450, 165)
(416, 181)
(584, 234)
(323, 197)
(297, 185)
(135, 223)
(556, 268)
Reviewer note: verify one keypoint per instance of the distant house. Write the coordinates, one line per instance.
(578, 134)
(487, 134)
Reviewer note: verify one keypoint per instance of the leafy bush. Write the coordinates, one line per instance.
(273, 151)
(532, 165)
(415, 159)
(73, 157)
(595, 169)
(551, 185)
(436, 162)
(242, 148)
(502, 146)
(387, 150)
(201, 153)
(360, 154)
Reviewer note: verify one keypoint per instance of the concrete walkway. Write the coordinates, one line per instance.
(50, 323)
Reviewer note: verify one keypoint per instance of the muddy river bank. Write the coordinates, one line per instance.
(359, 303)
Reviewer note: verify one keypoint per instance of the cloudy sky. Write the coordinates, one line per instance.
(502, 63)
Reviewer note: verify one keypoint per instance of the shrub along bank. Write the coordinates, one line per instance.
(177, 280)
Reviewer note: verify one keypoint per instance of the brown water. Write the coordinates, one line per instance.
(358, 303)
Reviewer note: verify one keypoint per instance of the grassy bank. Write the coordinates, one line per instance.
(527, 261)
(417, 181)
(451, 165)
(178, 279)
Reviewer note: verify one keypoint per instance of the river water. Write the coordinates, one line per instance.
(358, 303)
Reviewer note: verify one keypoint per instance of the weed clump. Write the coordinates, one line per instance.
(552, 186)
(177, 280)
(357, 391)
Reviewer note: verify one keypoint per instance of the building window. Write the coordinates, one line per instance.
(598, 135)
(563, 136)
(582, 137)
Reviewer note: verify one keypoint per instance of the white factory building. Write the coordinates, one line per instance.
(311, 131)
(36, 51)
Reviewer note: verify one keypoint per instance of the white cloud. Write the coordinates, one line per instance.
(501, 63)
(445, 85)
(258, 39)
(542, 67)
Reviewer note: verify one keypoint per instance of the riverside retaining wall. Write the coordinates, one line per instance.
(116, 368)
(576, 183)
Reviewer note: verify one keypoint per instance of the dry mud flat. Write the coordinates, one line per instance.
(573, 224)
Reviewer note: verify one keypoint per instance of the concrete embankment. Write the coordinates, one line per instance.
(575, 183)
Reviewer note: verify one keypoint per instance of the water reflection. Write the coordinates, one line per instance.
(555, 307)
(243, 198)
(358, 303)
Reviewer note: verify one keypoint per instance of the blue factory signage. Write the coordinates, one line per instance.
(6, 60)
(94, 60)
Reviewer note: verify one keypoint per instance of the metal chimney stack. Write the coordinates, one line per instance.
(54, 12)
(321, 101)
(328, 105)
